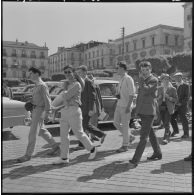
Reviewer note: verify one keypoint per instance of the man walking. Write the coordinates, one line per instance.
(41, 107)
(146, 109)
(125, 95)
(183, 92)
(88, 98)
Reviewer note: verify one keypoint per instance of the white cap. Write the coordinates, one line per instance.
(178, 74)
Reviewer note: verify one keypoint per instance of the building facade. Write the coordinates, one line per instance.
(100, 56)
(18, 57)
(151, 42)
(64, 56)
(188, 26)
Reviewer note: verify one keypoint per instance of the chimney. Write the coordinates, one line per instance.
(16, 40)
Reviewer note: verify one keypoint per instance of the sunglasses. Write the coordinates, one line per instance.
(67, 72)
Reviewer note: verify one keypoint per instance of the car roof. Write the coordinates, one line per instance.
(105, 81)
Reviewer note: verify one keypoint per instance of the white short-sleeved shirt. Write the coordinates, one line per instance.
(126, 88)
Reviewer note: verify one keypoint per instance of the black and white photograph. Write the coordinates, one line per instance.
(97, 97)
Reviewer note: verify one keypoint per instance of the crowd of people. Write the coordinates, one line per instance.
(80, 105)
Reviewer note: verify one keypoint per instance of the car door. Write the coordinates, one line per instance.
(108, 91)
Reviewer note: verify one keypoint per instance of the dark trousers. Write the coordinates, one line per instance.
(91, 128)
(181, 112)
(166, 118)
(146, 130)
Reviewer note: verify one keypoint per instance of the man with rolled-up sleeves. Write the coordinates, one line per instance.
(41, 107)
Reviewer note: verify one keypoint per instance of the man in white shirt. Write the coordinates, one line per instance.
(125, 94)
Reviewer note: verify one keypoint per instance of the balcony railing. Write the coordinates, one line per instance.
(5, 65)
(33, 56)
(23, 66)
(43, 57)
(14, 66)
(14, 55)
(23, 55)
(4, 54)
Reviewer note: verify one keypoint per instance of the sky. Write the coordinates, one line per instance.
(66, 24)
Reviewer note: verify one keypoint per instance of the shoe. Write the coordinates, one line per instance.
(54, 150)
(61, 161)
(23, 159)
(174, 133)
(165, 141)
(155, 157)
(185, 136)
(133, 163)
(122, 149)
(189, 158)
(102, 138)
(93, 138)
(93, 154)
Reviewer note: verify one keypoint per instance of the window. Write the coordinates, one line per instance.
(97, 53)
(33, 63)
(143, 43)
(176, 40)
(89, 55)
(4, 61)
(120, 49)
(153, 41)
(166, 39)
(97, 63)
(127, 47)
(102, 52)
(102, 62)
(85, 56)
(42, 63)
(42, 54)
(93, 54)
(134, 44)
(4, 52)
(23, 62)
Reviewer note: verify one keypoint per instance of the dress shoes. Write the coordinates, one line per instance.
(173, 134)
(155, 157)
(133, 164)
(185, 136)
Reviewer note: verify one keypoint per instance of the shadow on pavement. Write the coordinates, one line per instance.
(106, 171)
(9, 163)
(30, 169)
(172, 167)
(8, 135)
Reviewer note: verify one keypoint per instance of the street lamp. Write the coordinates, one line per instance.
(123, 41)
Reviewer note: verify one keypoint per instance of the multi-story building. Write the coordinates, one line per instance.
(187, 26)
(100, 56)
(18, 57)
(151, 42)
(65, 56)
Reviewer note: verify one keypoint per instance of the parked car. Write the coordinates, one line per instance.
(26, 93)
(14, 113)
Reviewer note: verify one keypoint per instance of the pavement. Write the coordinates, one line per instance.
(108, 172)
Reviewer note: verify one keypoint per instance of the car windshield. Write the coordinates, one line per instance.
(108, 89)
(56, 90)
(28, 89)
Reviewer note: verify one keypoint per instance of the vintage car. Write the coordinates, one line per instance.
(14, 113)
(26, 93)
(108, 92)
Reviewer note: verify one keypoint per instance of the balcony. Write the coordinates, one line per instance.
(33, 56)
(4, 54)
(23, 67)
(14, 66)
(14, 55)
(23, 55)
(42, 57)
(5, 66)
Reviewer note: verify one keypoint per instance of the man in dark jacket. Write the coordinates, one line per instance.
(88, 98)
(146, 109)
(181, 109)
